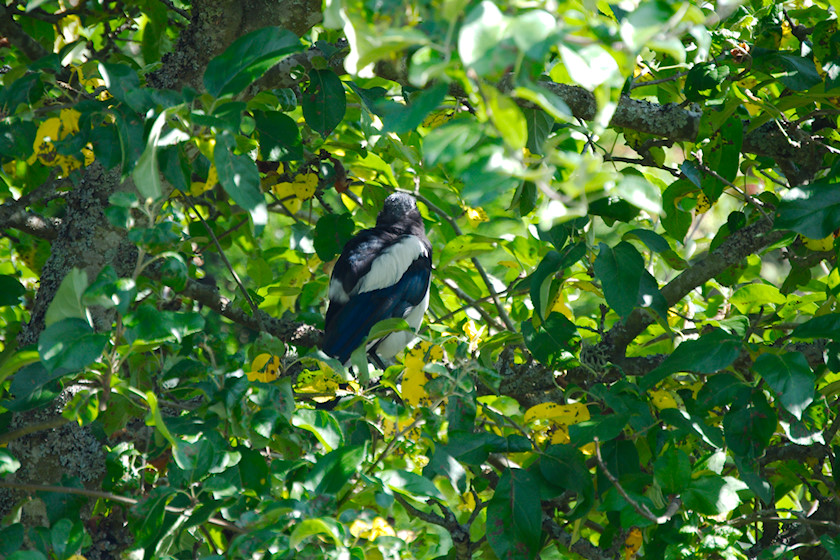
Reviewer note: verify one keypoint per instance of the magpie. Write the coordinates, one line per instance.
(383, 272)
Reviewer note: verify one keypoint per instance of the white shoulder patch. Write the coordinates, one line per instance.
(387, 269)
(337, 292)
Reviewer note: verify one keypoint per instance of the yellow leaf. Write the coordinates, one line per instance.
(824, 244)
(286, 193)
(360, 529)
(380, 527)
(322, 381)
(476, 216)
(559, 305)
(560, 434)
(413, 387)
(703, 203)
(632, 543)
(264, 368)
(663, 399)
(567, 414)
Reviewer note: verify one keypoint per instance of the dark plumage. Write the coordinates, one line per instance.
(383, 272)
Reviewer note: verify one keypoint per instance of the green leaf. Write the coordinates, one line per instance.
(619, 270)
(11, 539)
(152, 511)
(27, 555)
(146, 173)
(824, 326)
(792, 379)
(712, 495)
(514, 517)
(279, 136)
(541, 281)
(322, 424)
(70, 345)
(613, 209)
(691, 424)
(672, 470)
(67, 302)
(335, 469)
(795, 72)
(10, 290)
(480, 43)
(707, 354)
(588, 66)
(409, 483)
(752, 297)
(507, 118)
(465, 247)
(564, 466)
(324, 102)
(240, 178)
(748, 429)
(148, 325)
(749, 473)
(121, 80)
(704, 80)
(331, 233)
(812, 210)
(539, 124)
(400, 118)
(313, 527)
(248, 58)
(551, 341)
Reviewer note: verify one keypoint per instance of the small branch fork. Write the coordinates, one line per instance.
(641, 509)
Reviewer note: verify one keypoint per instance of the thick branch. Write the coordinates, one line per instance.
(737, 247)
(28, 222)
(15, 34)
(292, 332)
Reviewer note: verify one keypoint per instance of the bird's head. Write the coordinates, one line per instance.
(398, 207)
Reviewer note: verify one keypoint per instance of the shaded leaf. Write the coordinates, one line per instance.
(514, 517)
(248, 58)
(790, 377)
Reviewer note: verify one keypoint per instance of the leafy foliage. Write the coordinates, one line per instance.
(633, 342)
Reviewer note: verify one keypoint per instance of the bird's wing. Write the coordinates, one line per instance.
(396, 281)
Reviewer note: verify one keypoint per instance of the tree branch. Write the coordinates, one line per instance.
(733, 250)
(9, 28)
(113, 498)
(292, 332)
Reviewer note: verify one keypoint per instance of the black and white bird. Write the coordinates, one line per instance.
(383, 272)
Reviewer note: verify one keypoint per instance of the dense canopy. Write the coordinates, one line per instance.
(631, 348)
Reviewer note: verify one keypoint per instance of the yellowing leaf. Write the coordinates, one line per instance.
(476, 216)
(558, 413)
(663, 399)
(286, 193)
(413, 388)
(371, 531)
(322, 381)
(703, 203)
(265, 368)
(824, 244)
(559, 305)
(632, 543)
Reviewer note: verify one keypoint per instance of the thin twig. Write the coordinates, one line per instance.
(472, 303)
(9, 437)
(183, 13)
(745, 194)
(111, 497)
(484, 276)
(641, 509)
(254, 308)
